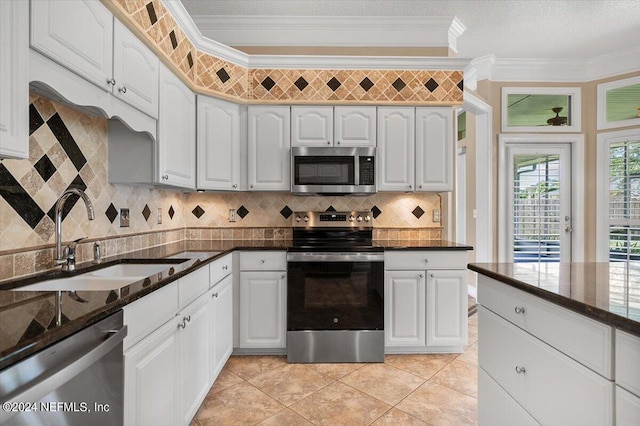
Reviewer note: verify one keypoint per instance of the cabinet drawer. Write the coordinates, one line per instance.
(627, 358)
(496, 407)
(421, 260)
(583, 339)
(192, 286)
(627, 408)
(220, 268)
(263, 261)
(554, 388)
(145, 315)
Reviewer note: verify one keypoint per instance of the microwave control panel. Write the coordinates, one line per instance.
(367, 170)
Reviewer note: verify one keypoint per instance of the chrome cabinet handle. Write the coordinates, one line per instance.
(420, 186)
(283, 277)
(214, 295)
(519, 310)
(235, 185)
(165, 177)
(421, 276)
(188, 318)
(520, 370)
(432, 276)
(338, 142)
(261, 260)
(183, 324)
(409, 186)
(112, 81)
(426, 261)
(225, 267)
(122, 89)
(328, 142)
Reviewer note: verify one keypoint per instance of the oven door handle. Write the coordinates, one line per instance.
(335, 257)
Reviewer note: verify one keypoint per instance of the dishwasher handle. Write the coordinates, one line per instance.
(41, 388)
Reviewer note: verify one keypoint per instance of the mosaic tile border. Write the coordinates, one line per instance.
(213, 75)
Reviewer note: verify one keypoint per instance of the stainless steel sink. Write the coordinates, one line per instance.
(141, 270)
(83, 282)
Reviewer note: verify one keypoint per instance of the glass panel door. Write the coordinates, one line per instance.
(540, 203)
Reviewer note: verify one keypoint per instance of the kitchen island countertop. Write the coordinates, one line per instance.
(606, 292)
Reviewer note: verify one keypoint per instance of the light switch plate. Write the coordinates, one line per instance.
(436, 216)
(124, 218)
(159, 216)
(233, 215)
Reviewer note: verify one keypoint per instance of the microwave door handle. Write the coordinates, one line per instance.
(356, 170)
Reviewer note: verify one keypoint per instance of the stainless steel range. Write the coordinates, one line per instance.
(335, 289)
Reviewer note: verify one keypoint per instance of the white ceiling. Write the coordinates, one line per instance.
(576, 29)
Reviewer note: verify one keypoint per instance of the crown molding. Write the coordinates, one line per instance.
(207, 45)
(356, 62)
(333, 31)
(613, 64)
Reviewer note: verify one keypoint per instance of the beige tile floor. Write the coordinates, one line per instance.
(404, 390)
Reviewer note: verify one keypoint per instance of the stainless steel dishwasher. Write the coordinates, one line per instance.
(78, 381)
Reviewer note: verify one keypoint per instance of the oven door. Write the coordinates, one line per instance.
(335, 291)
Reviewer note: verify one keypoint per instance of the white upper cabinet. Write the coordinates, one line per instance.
(434, 149)
(311, 126)
(176, 146)
(135, 71)
(269, 140)
(77, 35)
(219, 144)
(396, 148)
(14, 84)
(355, 126)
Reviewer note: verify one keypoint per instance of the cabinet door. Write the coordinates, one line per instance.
(221, 316)
(193, 340)
(263, 309)
(496, 407)
(627, 408)
(311, 126)
(218, 144)
(434, 149)
(176, 132)
(355, 126)
(396, 148)
(151, 379)
(404, 308)
(446, 308)
(77, 35)
(14, 84)
(269, 140)
(135, 71)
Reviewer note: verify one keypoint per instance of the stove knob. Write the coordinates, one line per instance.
(298, 218)
(306, 218)
(351, 218)
(367, 218)
(359, 218)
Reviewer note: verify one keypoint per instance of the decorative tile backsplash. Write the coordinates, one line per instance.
(213, 75)
(68, 149)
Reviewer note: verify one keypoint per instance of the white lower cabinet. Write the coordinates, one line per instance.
(404, 312)
(498, 408)
(627, 408)
(425, 301)
(193, 362)
(151, 383)
(263, 309)
(171, 364)
(221, 325)
(447, 308)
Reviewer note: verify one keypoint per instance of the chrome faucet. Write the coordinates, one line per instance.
(68, 258)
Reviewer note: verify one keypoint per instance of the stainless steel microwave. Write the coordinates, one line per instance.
(333, 171)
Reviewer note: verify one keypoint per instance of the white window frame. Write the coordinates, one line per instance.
(576, 109)
(604, 141)
(602, 122)
(577, 188)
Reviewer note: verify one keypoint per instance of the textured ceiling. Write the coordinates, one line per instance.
(508, 29)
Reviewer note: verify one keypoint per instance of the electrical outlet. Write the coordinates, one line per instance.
(159, 216)
(436, 216)
(233, 215)
(124, 218)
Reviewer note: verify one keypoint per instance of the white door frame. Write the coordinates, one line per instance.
(577, 188)
(484, 175)
(604, 140)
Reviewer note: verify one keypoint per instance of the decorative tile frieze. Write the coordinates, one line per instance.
(215, 76)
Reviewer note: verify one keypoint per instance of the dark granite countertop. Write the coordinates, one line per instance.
(27, 318)
(606, 292)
